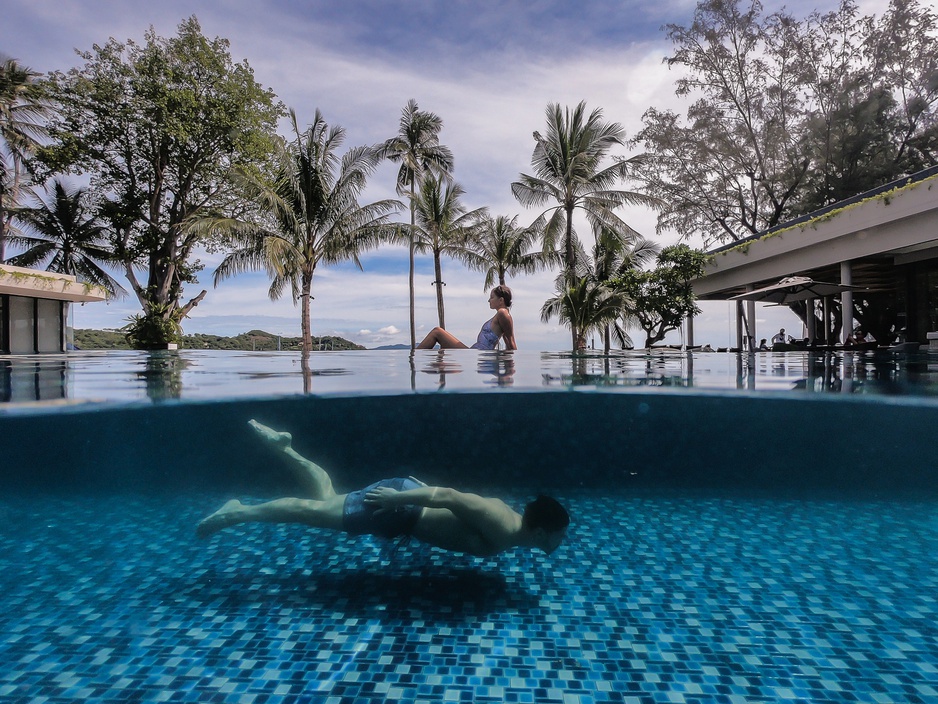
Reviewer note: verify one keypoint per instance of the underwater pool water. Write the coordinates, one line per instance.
(726, 546)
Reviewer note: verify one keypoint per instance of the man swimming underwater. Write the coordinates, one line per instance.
(439, 516)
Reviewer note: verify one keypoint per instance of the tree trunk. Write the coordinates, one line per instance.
(307, 286)
(413, 224)
(6, 217)
(570, 265)
(3, 233)
(438, 271)
(307, 373)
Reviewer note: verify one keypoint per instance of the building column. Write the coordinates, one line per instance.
(825, 304)
(810, 320)
(739, 325)
(751, 322)
(689, 338)
(846, 302)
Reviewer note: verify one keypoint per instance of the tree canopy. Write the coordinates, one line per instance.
(159, 127)
(575, 170)
(23, 109)
(661, 298)
(788, 114)
(417, 148)
(63, 235)
(312, 213)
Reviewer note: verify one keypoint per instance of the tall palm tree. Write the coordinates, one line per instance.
(443, 226)
(313, 212)
(614, 254)
(586, 306)
(22, 108)
(67, 240)
(499, 247)
(417, 148)
(569, 173)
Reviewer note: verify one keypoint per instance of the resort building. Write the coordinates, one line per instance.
(34, 306)
(879, 250)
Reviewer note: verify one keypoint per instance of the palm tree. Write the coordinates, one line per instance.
(499, 247)
(443, 226)
(21, 110)
(569, 172)
(613, 255)
(417, 148)
(67, 239)
(587, 306)
(314, 215)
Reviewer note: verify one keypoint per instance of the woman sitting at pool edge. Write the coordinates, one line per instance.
(500, 326)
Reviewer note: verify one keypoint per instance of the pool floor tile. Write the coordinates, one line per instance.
(663, 598)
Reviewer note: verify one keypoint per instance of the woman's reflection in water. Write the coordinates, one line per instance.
(501, 365)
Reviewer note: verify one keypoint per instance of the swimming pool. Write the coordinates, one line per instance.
(728, 545)
(122, 376)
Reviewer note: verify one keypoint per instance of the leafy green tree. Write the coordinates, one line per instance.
(851, 123)
(22, 112)
(443, 226)
(67, 239)
(733, 167)
(499, 247)
(159, 127)
(313, 213)
(571, 173)
(905, 56)
(661, 298)
(789, 115)
(416, 147)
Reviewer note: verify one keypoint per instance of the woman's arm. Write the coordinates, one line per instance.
(507, 326)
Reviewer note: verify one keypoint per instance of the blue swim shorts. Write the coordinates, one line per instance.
(359, 518)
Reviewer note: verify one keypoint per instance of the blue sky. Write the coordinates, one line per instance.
(488, 68)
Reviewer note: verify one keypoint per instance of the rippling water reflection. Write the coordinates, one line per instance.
(203, 375)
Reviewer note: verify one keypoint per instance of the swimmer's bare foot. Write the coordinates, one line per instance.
(226, 516)
(280, 440)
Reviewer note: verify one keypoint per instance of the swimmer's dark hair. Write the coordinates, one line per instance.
(547, 513)
(503, 292)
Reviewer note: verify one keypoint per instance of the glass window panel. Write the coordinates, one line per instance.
(4, 349)
(49, 320)
(22, 325)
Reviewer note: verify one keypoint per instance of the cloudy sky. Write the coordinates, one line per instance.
(488, 68)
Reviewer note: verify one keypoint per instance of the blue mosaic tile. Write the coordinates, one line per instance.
(654, 599)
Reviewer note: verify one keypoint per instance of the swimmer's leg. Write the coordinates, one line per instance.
(316, 482)
(318, 514)
(446, 340)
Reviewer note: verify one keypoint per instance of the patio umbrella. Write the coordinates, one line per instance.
(793, 288)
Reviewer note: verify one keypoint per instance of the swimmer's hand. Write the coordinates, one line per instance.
(383, 496)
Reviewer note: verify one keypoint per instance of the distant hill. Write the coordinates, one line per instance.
(253, 340)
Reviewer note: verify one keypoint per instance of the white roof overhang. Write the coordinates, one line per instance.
(33, 283)
(900, 225)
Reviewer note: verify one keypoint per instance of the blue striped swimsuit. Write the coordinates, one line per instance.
(487, 339)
